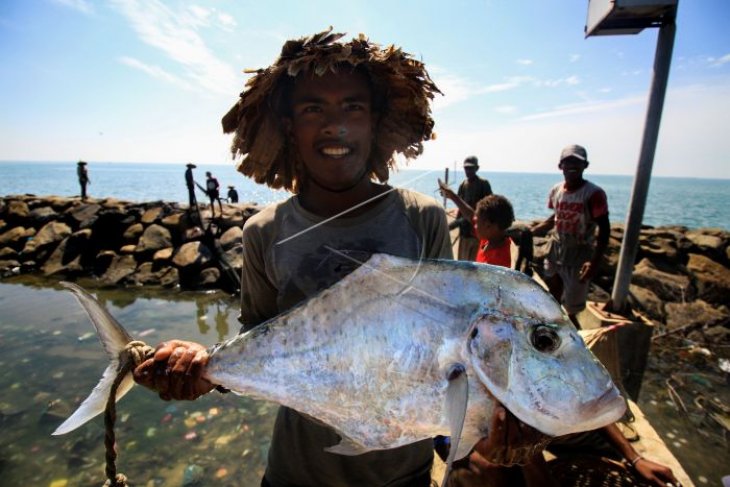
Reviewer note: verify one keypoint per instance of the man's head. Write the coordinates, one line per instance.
(573, 161)
(492, 217)
(471, 166)
(263, 120)
(81, 163)
(191, 165)
(208, 174)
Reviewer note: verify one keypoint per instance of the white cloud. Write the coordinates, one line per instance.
(692, 134)
(719, 62)
(227, 21)
(174, 34)
(587, 107)
(156, 72)
(457, 89)
(574, 58)
(524, 62)
(505, 109)
(82, 6)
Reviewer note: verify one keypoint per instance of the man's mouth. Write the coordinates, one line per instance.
(335, 151)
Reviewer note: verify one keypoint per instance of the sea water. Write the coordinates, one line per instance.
(690, 202)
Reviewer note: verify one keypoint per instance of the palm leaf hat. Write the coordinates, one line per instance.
(402, 91)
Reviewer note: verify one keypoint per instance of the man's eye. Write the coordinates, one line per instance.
(311, 109)
(354, 107)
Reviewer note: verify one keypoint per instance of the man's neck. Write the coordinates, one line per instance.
(325, 203)
(573, 185)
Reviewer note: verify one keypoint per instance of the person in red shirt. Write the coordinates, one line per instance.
(491, 219)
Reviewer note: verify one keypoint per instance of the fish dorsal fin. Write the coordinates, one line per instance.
(457, 397)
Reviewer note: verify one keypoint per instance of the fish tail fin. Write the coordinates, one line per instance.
(114, 338)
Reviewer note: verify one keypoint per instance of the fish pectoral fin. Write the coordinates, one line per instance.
(347, 446)
(457, 397)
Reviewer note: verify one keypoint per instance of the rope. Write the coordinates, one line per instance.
(133, 354)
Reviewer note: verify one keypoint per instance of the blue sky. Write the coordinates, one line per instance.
(148, 81)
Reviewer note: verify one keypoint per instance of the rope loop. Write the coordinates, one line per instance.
(134, 354)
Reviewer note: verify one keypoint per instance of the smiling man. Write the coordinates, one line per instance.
(579, 207)
(324, 122)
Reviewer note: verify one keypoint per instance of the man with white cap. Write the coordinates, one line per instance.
(579, 207)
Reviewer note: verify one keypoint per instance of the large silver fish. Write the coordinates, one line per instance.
(384, 355)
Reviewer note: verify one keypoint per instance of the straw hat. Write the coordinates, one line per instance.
(81, 163)
(397, 78)
(190, 164)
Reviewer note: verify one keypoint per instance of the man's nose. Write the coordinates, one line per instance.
(335, 124)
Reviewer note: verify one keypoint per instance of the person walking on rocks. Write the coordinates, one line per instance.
(579, 207)
(83, 175)
(190, 183)
(334, 115)
(212, 189)
(471, 190)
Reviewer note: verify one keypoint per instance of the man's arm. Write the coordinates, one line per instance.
(590, 268)
(653, 472)
(544, 227)
(464, 209)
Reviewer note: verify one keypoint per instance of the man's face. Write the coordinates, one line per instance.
(471, 171)
(331, 126)
(572, 169)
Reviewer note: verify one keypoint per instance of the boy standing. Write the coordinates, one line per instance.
(491, 219)
(323, 122)
(575, 252)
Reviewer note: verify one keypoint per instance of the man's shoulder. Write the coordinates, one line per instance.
(415, 199)
(268, 215)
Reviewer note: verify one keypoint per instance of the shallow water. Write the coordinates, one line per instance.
(49, 361)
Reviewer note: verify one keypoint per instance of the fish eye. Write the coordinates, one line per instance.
(545, 339)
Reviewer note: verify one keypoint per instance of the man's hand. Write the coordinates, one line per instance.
(175, 371)
(510, 441)
(655, 473)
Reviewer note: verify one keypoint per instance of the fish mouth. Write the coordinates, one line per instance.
(606, 402)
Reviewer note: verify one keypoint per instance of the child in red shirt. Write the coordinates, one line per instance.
(492, 217)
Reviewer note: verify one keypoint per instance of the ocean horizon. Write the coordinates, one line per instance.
(685, 201)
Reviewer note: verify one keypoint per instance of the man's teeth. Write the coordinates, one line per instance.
(335, 151)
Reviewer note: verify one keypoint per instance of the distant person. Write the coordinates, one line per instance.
(212, 189)
(190, 183)
(83, 175)
(471, 190)
(579, 207)
(232, 194)
(491, 219)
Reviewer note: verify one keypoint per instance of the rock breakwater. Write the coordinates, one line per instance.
(121, 243)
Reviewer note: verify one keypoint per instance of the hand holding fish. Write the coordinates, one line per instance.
(655, 473)
(175, 371)
(510, 442)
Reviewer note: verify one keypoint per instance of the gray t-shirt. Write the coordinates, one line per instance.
(279, 273)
